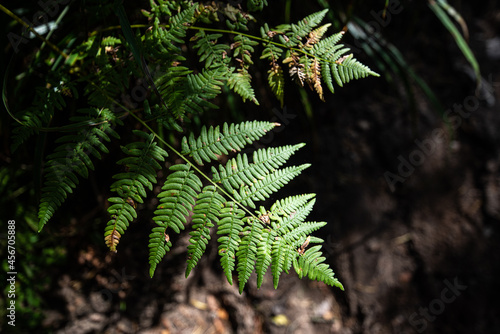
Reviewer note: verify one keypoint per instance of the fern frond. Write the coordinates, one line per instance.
(240, 82)
(289, 230)
(210, 52)
(255, 5)
(315, 78)
(348, 68)
(271, 51)
(335, 65)
(205, 213)
(328, 47)
(194, 92)
(158, 46)
(230, 226)
(244, 48)
(282, 256)
(275, 74)
(142, 164)
(303, 28)
(238, 171)
(299, 233)
(179, 24)
(176, 200)
(268, 185)
(46, 102)
(294, 213)
(290, 205)
(276, 82)
(72, 157)
(314, 61)
(311, 264)
(215, 142)
(110, 41)
(264, 251)
(247, 251)
(316, 35)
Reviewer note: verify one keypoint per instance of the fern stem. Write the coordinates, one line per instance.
(138, 119)
(27, 26)
(224, 31)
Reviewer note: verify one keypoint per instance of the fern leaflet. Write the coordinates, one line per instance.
(142, 165)
(205, 214)
(311, 264)
(215, 142)
(264, 252)
(72, 157)
(247, 251)
(177, 197)
(230, 226)
(271, 183)
(210, 52)
(240, 82)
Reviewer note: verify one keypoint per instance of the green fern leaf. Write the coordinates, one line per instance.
(276, 82)
(303, 28)
(232, 138)
(158, 44)
(244, 48)
(176, 199)
(335, 64)
(264, 251)
(179, 25)
(110, 41)
(205, 214)
(255, 5)
(230, 226)
(349, 68)
(190, 94)
(290, 205)
(72, 158)
(329, 49)
(297, 236)
(142, 164)
(247, 251)
(282, 257)
(240, 82)
(159, 245)
(210, 52)
(311, 264)
(47, 101)
(271, 52)
(268, 185)
(316, 35)
(294, 210)
(238, 171)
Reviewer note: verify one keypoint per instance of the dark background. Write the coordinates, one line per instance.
(396, 252)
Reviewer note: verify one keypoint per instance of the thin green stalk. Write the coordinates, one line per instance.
(27, 26)
(138, 119)
(224, 31)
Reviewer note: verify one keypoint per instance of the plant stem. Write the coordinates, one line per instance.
(27, 26)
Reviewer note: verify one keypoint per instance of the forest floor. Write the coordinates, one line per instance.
(420, 253)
